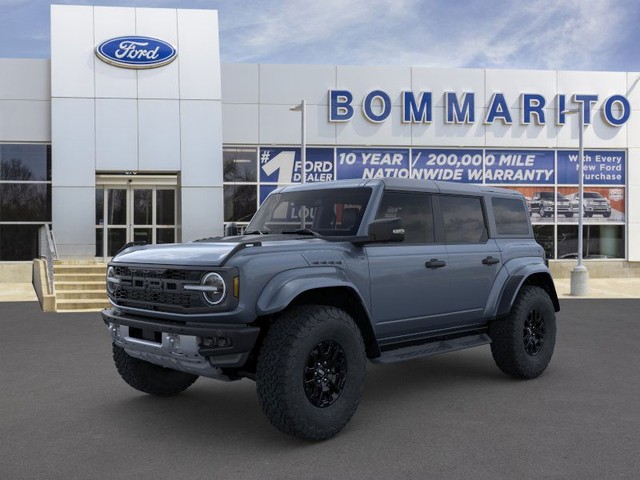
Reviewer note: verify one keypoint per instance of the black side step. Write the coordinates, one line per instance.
(432, 348)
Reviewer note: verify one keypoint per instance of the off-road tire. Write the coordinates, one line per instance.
(150, 378)
(606, 214)
(508, 335)
(283, 364)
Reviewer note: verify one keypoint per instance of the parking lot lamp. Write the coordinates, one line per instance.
(580, 274)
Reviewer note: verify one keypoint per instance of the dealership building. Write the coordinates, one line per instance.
(134, 131)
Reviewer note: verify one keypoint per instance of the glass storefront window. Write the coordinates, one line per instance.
(25, 163)
(239, 202)
(165, 235)
(239, 164)
(165, 207)
(142, 207)
(25, 202)
(599, 241)
(547, 178)
(545, 237)
(18, 242)
(116, 239)
(99, 241)
(99, 206)
(117, 206)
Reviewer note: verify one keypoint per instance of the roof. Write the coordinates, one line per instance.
(405, 184)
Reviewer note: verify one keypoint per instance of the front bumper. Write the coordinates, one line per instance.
(193, 347)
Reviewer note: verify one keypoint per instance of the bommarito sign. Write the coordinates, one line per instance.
(459, 108)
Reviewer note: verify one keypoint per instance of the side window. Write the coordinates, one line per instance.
(415, 211)
(511, 216)
(463, 219)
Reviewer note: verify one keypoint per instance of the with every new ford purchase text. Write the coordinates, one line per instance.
(325, 277)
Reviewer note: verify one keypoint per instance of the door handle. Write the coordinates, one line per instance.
(490, 260)
(435, 263)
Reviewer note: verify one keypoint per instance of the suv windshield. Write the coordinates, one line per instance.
(327, 212)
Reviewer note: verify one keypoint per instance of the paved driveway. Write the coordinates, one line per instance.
(65, 414)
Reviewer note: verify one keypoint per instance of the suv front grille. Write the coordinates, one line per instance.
(157, 289)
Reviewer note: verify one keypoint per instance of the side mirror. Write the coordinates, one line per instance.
(231, 230)
(386, 230)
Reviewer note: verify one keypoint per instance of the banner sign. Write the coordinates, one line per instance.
(283, 165)
(519, 166)
(372, 163)
(601, 167)
(450, 165)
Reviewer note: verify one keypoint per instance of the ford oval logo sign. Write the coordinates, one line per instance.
(136, 52)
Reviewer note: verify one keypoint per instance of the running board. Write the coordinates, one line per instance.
(432, 348)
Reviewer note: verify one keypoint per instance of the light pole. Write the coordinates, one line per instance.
(580, 274)
(302, 107)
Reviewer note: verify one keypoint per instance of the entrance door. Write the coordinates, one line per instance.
(134, 212)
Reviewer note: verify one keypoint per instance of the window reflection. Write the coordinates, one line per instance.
(25, 202)
(239, 164)
(26, 163)
(599, 241)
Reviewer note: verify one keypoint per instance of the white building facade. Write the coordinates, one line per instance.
(109, 155)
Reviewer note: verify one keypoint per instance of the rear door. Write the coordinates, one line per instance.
(473, 259)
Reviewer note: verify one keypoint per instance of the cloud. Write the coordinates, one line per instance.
(546, 34)
(536, 34)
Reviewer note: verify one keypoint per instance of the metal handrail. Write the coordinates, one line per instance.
(48, 251)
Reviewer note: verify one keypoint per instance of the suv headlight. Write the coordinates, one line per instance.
(212, 287)
(112, 280)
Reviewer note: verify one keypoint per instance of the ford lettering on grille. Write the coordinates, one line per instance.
(136, 52)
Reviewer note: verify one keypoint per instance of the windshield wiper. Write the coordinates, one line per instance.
(303, 231)
(255, 232)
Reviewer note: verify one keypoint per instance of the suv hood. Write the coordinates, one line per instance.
(186, 254)
(205, 253)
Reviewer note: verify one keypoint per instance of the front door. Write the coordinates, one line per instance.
(134, 212)
(408, 279)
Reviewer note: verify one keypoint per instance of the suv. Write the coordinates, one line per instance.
(543, 204)
(325, 277)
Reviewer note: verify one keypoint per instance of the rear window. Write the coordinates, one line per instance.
(511, 216)
(463, 219)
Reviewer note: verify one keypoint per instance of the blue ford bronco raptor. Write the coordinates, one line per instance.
(325, 277)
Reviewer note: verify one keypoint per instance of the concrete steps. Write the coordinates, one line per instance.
(80, 286)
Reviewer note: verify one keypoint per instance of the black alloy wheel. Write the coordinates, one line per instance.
(533, 332)
(325, 373)
(522, 343)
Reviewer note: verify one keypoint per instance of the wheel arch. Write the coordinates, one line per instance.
(537, 277)
(319, 286)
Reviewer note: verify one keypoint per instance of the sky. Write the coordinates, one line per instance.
(533, 34)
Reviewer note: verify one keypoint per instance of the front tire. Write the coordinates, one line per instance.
(523, 343)
(150, 378)
(311, 371)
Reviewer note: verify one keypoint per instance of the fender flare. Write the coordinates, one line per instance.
(515, 282)
(284, 287)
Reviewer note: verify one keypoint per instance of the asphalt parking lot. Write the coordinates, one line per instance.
(65, 413)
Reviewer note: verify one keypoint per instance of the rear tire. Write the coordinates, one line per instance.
(150, 378)
(310, 372)
(523, 343)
